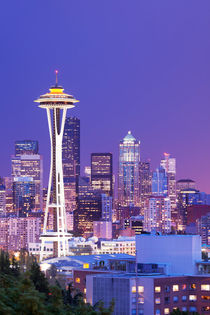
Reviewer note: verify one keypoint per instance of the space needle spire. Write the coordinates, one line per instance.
(56, 103)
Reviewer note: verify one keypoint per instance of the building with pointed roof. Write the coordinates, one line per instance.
(128, 176)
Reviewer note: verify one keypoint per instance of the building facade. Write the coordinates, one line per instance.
(157, 215)
(102, 172)
(89, 208)
(145, 179)
(24, 194)
(28, 164)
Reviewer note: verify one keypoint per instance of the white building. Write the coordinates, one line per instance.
(2, 200)
(179, 252)
(157, 215)
(122, 245)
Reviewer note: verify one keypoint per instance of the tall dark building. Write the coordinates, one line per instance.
(101, 172)
(71, 163)
(145, 178)
(27, 162)
(71, 148)
(26, 147)
(23, 195)
(89, 208)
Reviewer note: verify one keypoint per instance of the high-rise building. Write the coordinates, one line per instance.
(56, 103)
(159, 182)
(28, 163)
(29, 147)
(23, 195)
(145, 179)
(157, 215)
(89, 208)
(106, 207)
(71, 148)
(183, 184)
(203, 228)
(2, 200)
(17, 232)
(185, 199)
(8, 183)
(71, 164)
(128, 175)
(87, 172)
(101, 172)
(169, 164)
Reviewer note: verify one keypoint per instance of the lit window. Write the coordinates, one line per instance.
(192, 297)
(133, 289)
(157, 289)
(133, 311)
(184, 298)
(157, 301)
(193, 309)
(175, 287)
(175, 298)
(205, 287)
(205, 297)
(140, 289)
(141, 300)
(85, 266)
(85, 290)
(166, 311)
(192, 286)
(77, 280)
(184, 287)
(157, 312)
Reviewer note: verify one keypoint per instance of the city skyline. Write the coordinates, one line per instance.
(162, 97)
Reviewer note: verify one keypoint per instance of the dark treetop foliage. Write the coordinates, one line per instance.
(29, 293)
(178, 312)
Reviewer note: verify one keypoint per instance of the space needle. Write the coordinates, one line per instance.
(56, 103)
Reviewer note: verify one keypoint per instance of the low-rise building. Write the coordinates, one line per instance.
(149, 294)
(126, 245)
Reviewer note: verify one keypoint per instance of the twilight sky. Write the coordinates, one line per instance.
(134, 65)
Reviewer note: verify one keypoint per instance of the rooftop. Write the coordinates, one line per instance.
(129, 137)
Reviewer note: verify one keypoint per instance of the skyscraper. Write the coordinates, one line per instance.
(157, 216)
(71, 148)
(145, 178)
(28, 163)
(169, 164)
(23, 195)
(56, 103)
(101, 172)
(89, 208)
(8, 183)
(28, 147)
(159, 182)
(128, 175)
(71, 164)
(2, 200)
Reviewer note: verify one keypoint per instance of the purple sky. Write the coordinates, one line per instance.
(135, 65)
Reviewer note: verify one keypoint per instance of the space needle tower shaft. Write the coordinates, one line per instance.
(56, 103)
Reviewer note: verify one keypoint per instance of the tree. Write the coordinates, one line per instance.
(39, 279)
(178, 312)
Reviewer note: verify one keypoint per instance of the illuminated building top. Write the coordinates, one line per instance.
(56, 98)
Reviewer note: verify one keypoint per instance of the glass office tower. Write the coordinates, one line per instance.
(128, 176)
